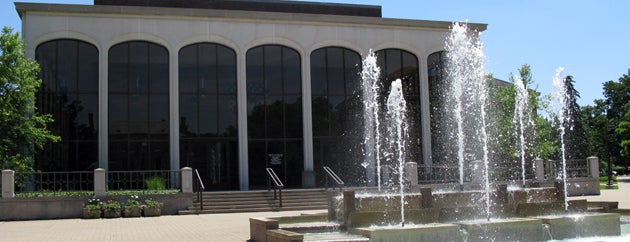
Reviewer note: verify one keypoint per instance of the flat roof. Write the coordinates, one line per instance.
(239, 15)
(257, 5)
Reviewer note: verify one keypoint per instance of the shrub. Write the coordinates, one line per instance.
(155, 183)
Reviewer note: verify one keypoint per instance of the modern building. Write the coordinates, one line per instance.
(226, 87)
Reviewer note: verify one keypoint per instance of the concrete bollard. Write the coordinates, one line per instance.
(187, 180)
(99, 182)
(593, 166)
(540, 169)
(502, 194)
(8, 183)
(411, 175)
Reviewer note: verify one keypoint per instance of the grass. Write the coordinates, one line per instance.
(603, 180)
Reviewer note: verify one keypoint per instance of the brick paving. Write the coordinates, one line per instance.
(207, 227)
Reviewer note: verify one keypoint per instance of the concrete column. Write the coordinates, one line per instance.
(593, 166)
(411, 174)
(99, 182)
(8, 183)
(539, 172)
(187, 180)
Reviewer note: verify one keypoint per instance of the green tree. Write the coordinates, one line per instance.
(617, 104)
(23, 131)
(575, 136)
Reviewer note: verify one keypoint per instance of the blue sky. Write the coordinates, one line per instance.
(590, 39)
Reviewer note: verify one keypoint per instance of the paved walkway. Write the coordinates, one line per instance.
(210, 227)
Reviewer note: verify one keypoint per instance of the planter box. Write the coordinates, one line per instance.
(151, 212)
(91, 214)
(111, 214)
(132, 212)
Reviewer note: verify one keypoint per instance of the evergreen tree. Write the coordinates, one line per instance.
(576, 143)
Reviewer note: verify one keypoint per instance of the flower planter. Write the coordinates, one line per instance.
(91, 214)
(132, 212)
(111, 214)
(151, 212)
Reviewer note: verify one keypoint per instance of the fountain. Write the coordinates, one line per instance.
(405, 212)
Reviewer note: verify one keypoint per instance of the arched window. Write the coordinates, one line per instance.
(69, 92)
(208, 113)
(138, 107)
(336, 102)
(274, 117)
(401, 64)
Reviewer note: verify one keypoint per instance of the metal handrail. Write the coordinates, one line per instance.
(277, 184)
(200, 189)
(330, 173)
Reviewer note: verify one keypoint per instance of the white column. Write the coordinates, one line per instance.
(174, 109)
(425, 111)
(241, 95)
(103, 98)
(187, 180)
(308, 175)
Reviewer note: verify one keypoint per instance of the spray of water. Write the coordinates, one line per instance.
(371, 135)
(561, 109)
(468, 94)
(521, 119)
(397, 132)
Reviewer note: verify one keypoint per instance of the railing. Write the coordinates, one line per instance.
(330, 173)
(277, 184)
(54, 182)
(432, 174)
(143, 180)
(575, 168)
(200, 188)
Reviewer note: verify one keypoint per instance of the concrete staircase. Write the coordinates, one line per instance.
(258, 201)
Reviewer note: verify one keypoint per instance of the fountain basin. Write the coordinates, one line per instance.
(582, 225)
(424, 232)
(514, 229)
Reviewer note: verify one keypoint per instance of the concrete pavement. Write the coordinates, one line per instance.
(207, 227)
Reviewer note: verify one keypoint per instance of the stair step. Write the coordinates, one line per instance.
(258, 201)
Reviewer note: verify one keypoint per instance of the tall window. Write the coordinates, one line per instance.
(69, 91)
(207, 112)
(138, 106)
(400, 64)
(441, 153)
(274, 121)
(336, 101)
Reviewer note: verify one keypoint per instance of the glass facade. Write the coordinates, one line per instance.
(441, 153)
(403, 65)
(69, 92)
(138, 107)
(207, 113)
(336, 109)
(274, 114)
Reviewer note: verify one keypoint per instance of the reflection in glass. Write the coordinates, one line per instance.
(336, 111)
(208, 116)
(138, 106)
(69, 73)
(274, 104)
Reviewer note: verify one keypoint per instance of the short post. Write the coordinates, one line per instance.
(349, 205)
(8, 183)
(593, 166)
(426, 196)
(559, 185)
(411, 175)
(502, 194)
(477, 171)
(99, 182)
(187, 180)
(540, 169)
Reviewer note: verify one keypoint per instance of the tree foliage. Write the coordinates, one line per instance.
(23, 131)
